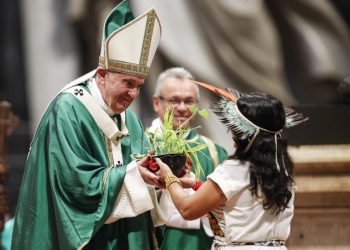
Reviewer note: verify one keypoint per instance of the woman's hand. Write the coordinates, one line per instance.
(164, 170)
(188, 180)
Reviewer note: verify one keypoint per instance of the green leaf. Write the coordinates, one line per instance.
(197, 148)
(136, 156)
(203, 113)
(193, 108)
(171, 141)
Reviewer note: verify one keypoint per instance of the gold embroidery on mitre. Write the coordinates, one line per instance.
(140, 69)
(147, 40)
(123, 67)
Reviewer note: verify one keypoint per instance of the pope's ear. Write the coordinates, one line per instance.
(101, 71)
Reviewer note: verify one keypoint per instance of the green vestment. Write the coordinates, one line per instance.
(69, 188)
(192, 239)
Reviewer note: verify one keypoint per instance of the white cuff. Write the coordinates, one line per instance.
(206, 226)
(173, 217)
(158, 216)
(133, 198)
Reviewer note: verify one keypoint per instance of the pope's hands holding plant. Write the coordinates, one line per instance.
(148, 176)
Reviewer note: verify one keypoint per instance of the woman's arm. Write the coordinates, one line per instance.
(196, 205)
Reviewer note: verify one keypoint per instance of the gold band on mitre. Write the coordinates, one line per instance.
(129, 44)
(123, 67)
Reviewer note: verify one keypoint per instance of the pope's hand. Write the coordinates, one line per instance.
(148, 176)
(188, 180)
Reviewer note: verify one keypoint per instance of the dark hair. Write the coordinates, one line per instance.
(273, 186)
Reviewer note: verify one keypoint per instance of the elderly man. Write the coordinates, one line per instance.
(175, 90)
(81, 189)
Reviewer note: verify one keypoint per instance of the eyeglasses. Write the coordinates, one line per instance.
(178, 102)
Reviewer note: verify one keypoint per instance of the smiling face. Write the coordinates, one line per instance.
(179, 95)
(118, 90)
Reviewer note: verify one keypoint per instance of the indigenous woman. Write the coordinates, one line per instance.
(248, 198)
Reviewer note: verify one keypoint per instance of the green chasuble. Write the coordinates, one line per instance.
(69, 188)
(192, 239)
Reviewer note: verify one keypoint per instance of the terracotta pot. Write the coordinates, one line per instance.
(176, 162)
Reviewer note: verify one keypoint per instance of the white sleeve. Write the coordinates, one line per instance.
(231, 178)
(134, 197)
(173, 217)
(157, 214)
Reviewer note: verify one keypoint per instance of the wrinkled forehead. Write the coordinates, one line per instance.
(180, 88)
(127, 77)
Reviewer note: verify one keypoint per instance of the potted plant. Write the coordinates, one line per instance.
(171, 146)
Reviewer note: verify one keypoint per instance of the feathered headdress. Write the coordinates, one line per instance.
(224, 104)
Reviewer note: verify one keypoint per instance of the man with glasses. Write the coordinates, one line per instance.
(175, 91)
(81, 189)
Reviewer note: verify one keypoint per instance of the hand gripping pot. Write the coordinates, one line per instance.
(176, 163)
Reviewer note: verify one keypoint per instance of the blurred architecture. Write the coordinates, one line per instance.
(8, 122)
(297, 50)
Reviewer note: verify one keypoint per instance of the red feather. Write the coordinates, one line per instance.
(217, 90)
